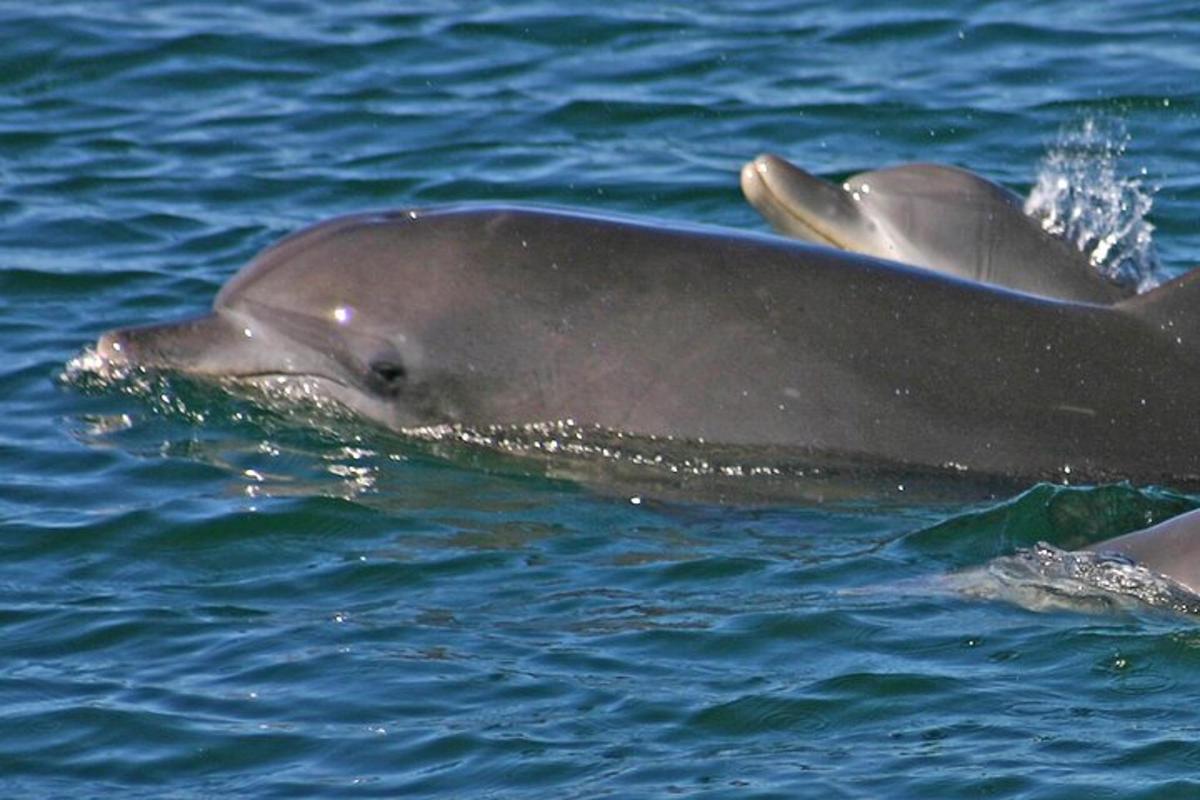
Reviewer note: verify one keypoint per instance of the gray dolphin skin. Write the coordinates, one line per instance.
(1171, 548)
(493, 315)
(928, 215)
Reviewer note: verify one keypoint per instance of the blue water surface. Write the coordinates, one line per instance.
(201, 598)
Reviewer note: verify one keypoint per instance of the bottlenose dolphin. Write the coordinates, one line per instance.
(493, 315)
(1170, 548)
(937, 217)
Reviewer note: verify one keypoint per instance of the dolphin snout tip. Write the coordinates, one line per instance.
(767, 172)
(754, 174)
(114, 348)
(766, 163)
(772, 167)
(749, 175)
(757, 165)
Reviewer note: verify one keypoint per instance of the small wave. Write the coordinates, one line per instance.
(1081, 197)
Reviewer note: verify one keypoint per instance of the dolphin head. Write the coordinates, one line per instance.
(937, 217)
(346, 309)
(912, 213)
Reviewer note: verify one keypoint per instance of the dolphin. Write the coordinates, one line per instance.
(486, 315)
(928, 215)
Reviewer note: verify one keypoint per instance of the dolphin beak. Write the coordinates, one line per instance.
(755, 184)
(797, 202)
(204, 344)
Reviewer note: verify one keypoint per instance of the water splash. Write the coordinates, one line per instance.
(1081, 197)
(90, 372)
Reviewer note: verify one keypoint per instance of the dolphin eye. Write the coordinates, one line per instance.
(389, 372)
(387, 375)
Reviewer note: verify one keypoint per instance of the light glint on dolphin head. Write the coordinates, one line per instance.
(343, 315)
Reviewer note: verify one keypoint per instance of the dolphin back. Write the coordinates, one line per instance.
(1174, 308)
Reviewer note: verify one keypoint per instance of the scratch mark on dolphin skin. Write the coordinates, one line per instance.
(1087, 412)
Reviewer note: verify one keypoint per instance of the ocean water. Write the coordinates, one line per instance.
(199, 597)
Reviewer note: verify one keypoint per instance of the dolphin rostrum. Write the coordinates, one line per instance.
(928, 215)
(496, 315)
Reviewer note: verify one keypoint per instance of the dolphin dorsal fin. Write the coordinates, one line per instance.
(1174, 307)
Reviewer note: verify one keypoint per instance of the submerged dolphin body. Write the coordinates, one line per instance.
(493, 315)
(1170, 548)
(937, 217)
(1157, 567)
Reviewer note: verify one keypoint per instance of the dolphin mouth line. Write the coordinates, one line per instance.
(804, 222)
(252, 377)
